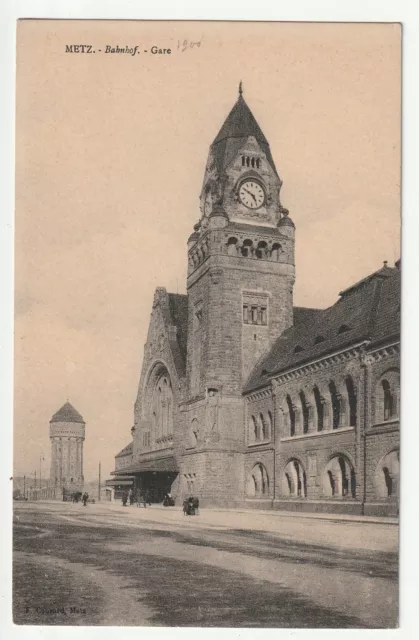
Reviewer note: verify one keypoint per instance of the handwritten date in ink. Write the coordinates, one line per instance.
(184, 45)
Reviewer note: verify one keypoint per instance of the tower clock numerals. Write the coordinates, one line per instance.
(251, 194)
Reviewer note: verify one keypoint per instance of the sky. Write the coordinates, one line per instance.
(110, 157)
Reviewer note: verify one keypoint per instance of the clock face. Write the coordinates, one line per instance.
(208, 203)
(251, 194)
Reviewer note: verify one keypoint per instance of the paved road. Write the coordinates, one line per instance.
(108, 565)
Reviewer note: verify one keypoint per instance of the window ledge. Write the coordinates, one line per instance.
(259, 443)
(392, 421)
(318, 434)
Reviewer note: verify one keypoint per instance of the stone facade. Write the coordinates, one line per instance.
(245, 399)
(67, 433)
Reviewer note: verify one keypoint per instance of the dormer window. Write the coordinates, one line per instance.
(343, 329)
(319, 339)
(298, 349)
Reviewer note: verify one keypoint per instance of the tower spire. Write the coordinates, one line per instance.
(240, 88)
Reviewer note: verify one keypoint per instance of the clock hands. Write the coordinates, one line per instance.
(250, 194)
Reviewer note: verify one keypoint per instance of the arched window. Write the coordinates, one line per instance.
(291, 415)
(335, 405)
(294, 480)
(269, 425)
(387, 475)
(275, 252)
(319, 409)
(162, 408)
(387, 396)
(261, 249)
(232, 246)
(339, 478)
(388, 400)
(247, 248)
(351, 401)
(304, 412)
(257, 485)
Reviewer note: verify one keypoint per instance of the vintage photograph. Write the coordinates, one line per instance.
(207, 324)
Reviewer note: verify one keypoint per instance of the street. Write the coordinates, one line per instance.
(108, 565)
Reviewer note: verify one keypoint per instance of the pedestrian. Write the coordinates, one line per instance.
(85, 498)
(124, 498)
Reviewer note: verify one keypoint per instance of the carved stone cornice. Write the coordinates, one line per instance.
(319, 365)
(261, 394)
(386, 351)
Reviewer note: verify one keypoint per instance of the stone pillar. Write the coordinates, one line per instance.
(298, 421)
(311, 420)
(327, 411)
(343, 411)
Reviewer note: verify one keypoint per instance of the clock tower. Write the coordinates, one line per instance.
(240, 295)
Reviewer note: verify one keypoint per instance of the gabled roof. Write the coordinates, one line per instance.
(238, 126)
(302, 314)
(369, 310)
(67, 413)
(384, 272)
(174, 311)
(126, 451)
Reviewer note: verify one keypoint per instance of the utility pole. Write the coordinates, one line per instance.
(24, 486)
(98, 489)
(35, 479)
(41, 458)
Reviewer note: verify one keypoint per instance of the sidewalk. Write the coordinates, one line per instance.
(254, 513)
(331, 517)
(335, 517)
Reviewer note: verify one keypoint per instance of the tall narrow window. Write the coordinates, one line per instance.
(305, 412)
(245, 314)
(263, 316)
(292, 416)
(388, 400)
(319, 409)
(351, 401)
(335, 405)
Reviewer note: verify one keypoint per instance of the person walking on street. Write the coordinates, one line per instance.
(85, 498)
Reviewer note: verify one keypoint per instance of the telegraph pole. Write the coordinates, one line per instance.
(41, 458)
(98, 488)
(24, 486)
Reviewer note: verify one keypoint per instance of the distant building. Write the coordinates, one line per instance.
(120, 483)
(247, 400)
(67, 433)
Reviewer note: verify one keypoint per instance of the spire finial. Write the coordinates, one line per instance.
(241, 88)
